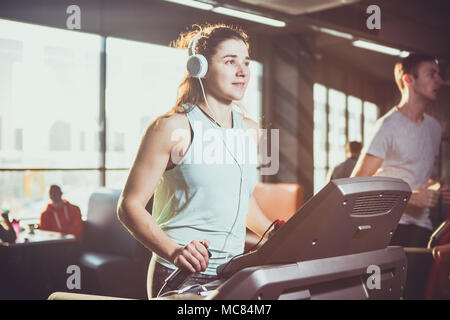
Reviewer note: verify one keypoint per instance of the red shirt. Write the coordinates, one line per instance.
(66, 219)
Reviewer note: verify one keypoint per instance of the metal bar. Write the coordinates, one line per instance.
(102, 113)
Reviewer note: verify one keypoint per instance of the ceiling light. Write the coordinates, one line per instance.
(332, 32)
(229, 12)
(192, 3)
(380, 48)
(249, 16)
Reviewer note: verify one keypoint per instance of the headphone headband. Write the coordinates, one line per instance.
(192, 43)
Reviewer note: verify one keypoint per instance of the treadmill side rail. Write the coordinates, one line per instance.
(379, 274)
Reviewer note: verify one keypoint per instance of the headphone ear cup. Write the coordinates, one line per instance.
(197, 66)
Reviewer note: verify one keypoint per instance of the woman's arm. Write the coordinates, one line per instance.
(151, 161)
(256, 219)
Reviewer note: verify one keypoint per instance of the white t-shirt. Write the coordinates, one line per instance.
(409, 150)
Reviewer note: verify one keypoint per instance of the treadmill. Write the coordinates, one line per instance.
(334, 247)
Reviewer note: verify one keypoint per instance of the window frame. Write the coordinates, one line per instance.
(103, 169)
(362, 125)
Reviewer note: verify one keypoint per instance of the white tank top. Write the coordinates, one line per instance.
(207, 195)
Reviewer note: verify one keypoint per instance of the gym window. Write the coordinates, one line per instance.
(338, 118)
(73, 108)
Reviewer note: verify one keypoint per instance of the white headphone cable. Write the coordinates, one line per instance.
(234, 158)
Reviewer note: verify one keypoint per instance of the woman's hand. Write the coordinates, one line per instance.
(193, 256)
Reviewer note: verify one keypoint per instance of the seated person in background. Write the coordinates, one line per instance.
(7, 234)
(61, 216)
(344, 170)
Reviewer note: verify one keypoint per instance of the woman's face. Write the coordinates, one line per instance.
(228, 71)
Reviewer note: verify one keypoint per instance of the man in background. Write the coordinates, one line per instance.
(405, 144)
(61, 216)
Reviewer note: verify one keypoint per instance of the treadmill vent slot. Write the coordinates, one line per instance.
(374, 204)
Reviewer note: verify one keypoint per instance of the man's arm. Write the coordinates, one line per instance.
(427, 196)
(424, 197)
(367, 165)
(76, 222)
(445, 193)
(44, 223)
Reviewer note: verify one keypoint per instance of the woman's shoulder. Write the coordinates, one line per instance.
(250, 123)
(253, 128)
(168, 123)
(167, 130)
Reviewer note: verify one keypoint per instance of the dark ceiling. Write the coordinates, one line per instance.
(413, 25)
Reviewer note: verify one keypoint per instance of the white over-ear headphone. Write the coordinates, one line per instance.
(197, 65)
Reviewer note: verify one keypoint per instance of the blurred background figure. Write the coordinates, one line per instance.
(61, 216)
(344, 169)
(7, 234)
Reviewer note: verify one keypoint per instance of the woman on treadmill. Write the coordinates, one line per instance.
(202, 181)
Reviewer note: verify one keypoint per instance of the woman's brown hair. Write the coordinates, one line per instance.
(189, 91)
